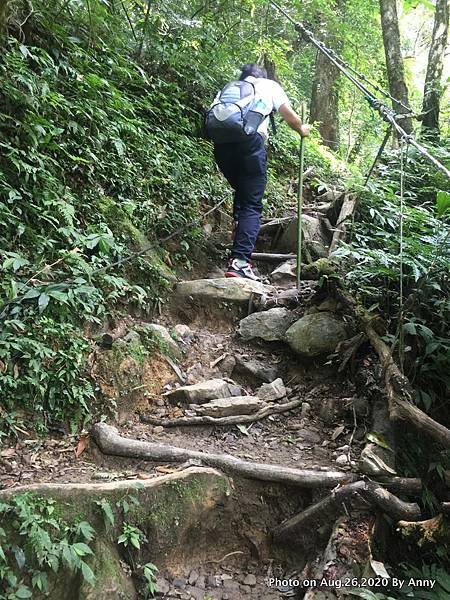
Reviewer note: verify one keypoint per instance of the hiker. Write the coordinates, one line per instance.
(237, 122)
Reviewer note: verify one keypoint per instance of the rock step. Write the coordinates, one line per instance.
(233, 289)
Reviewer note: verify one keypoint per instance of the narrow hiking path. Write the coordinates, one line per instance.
(231, 349)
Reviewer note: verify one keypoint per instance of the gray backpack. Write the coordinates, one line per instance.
(234, 116)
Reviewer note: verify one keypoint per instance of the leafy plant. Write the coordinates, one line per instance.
(35, 541)
(149, 572)
(130, 536)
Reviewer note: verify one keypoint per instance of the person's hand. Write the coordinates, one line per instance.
(305, 130)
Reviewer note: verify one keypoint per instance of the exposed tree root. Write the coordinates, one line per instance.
(398, 388)
(360, 493)
(431, 531)
(110, 442)
(399, 394)
(271, 409)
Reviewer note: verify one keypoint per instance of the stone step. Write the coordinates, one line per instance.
(200, 393)
(233, 289)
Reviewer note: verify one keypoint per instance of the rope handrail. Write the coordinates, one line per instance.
(387, 114)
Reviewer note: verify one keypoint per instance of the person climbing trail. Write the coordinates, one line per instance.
(237, 123)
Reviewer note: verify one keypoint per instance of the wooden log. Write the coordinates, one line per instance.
(110, 442)
(347, 210)
(366, 493)
(271, 409)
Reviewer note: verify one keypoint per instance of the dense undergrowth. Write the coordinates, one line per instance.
(100, 154)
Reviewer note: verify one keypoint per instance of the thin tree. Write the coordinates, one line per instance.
(433, 90)
(394, 59)
(325, 98)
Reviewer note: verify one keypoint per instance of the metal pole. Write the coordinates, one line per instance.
(300, 201)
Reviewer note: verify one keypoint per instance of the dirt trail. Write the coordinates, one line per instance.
(324, 432)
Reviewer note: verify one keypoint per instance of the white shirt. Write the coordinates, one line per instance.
(270, 96)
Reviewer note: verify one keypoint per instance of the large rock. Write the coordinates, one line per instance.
(203, 392)
(314, 240)
(227, 407)
(256, 370)
(316, 334)
(286, 272)
(269, 325)
(269, 392)
(161, 340)
(234, 289)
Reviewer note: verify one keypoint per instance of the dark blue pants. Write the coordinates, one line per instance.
(244, 165)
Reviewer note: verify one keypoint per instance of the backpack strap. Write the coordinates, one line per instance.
(272, 122)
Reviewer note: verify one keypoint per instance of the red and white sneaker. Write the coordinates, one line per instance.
(245, 271)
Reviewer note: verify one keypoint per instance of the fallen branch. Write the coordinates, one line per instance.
(271, 409)
(334, 505)
(110, 442)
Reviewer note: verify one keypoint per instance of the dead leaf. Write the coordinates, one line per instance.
(7, 452)
(337, 432)
(82, 445)
(162, 469)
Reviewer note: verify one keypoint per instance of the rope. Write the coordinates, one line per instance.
(385, 113)
(401, 333)
(68, 282)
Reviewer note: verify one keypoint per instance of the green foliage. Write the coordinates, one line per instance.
(36, 541)
(149, 572)
(373, 270)
(92, 166)
(439, 576)
(130, 536)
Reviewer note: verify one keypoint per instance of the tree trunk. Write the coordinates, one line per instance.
(325, 98)
(433, 90)
(3, 13)
(394, 60)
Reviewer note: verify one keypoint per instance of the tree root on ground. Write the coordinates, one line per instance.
(399, 394)
(271, 409)
(361, 493)
(398, 388)
(431, 531)
(110, 442)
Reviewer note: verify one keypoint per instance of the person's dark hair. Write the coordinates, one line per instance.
(252, 69)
